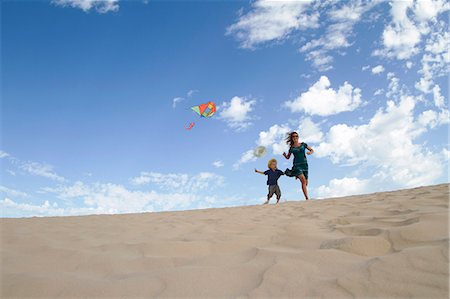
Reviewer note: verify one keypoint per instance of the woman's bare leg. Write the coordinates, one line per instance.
(304, 182)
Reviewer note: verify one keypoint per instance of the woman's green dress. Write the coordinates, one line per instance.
(300, 163)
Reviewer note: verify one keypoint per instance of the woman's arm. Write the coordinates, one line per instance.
(287, 156)
(257, 171)
(311, 151)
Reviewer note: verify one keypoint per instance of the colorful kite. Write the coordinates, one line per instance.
(205, 110)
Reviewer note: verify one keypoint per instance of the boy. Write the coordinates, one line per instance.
(273, 174)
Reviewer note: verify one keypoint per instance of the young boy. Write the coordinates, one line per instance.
(273, 174)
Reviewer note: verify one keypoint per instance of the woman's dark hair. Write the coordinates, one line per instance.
(289, 139)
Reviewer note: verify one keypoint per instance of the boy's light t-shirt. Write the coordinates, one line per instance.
(273, 176)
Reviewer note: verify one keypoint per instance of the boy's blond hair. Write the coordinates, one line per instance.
(271, 161)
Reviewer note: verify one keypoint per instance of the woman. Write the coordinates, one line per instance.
(300, 168)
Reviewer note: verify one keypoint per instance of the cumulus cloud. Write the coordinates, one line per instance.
(343, 187)
(101, 6)
(218, 164)
(272, 21)
(323, 100)
(236, 112)
(386, 145)
(411, 20)
(378, 69)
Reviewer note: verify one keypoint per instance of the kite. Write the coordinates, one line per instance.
(260, 151)
(205, 110)
(191, 125)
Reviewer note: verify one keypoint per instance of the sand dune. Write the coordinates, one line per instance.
(382, 245)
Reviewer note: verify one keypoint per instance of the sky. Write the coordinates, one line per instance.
(96, 96)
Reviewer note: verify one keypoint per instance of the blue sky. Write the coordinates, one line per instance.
(96, 94)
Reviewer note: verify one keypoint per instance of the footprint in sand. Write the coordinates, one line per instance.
(395, 222)
(365, 246)
(359, 231)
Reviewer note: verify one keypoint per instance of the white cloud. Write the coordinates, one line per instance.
(191, 92)
(218, 164)
(432, 119)
(180, 182)
(12, 208)
(438, 98)
(176, 100)
(401, 36)
(394, 86)
(43, 170)
(427, 10)
(109, 198)
(343, 187)
(236, 112)
(378, 92)
(101, 6)
(436, 58)
(11, 192)
(309, 131)
(386, 145)
(378, 69)
(322, 100)
(343, 18)
(274, 138)
(366, 67)
(411, 20)
(246, 157)
(76, 190)
(409, 64)
(272, 21)
(3, 154)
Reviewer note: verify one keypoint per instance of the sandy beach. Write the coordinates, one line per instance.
(382, 245)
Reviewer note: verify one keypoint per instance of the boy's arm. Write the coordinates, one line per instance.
(257, 171)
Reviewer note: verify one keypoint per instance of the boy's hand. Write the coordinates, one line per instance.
(256, 170)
